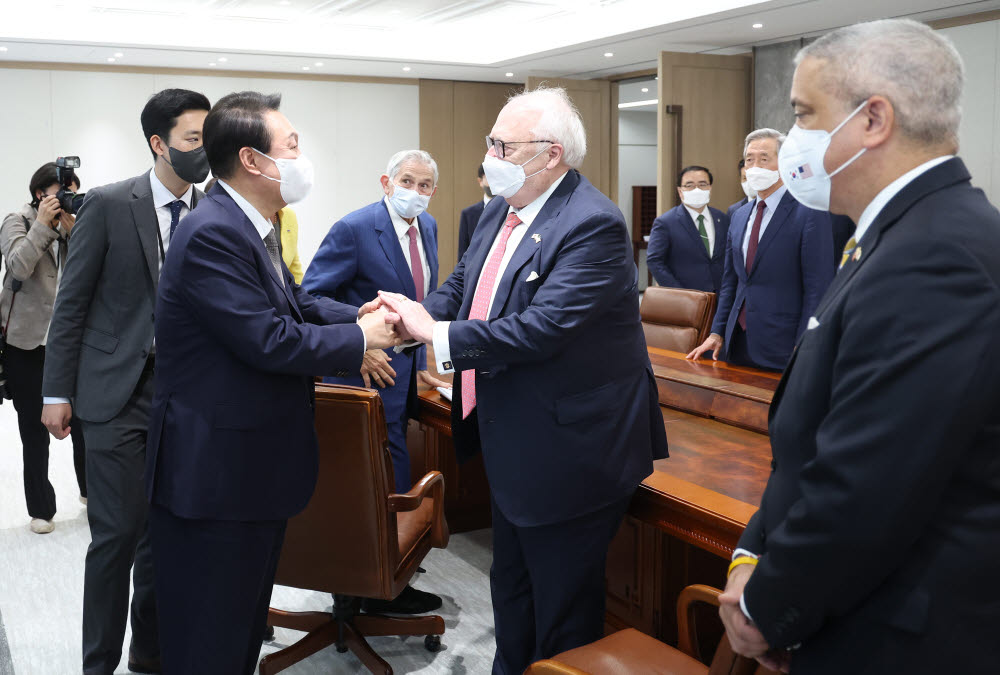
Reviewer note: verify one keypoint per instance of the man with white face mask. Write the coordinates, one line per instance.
(875, 546)
(540, 322)
(232, 447)
(777, 267)
(687, 243)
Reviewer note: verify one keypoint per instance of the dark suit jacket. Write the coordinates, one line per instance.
(568, 415)
(467, 225)
(231, 433)
(359, 257)
(843, 229)
(676, 254)
(879, 524)
(791, 271)
(102, 323)
(733, 208)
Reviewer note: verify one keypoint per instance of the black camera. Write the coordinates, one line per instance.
(69, 201)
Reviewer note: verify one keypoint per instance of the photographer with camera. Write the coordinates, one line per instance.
(34, 243)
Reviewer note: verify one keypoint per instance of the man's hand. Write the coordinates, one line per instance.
(379, 333)
(424, 377)
(56, 417)
(713, 342)
(413, 319)
(744, 637)
(49, 211)
(778, 660)
(375, 366)
(369, 307)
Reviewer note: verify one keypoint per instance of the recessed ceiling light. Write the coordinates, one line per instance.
(111, 59)
(509, 74)
(3, 49)
(758, 25)
(223, 59)
(318, 64)
(406, 69)
(645, 89)
(118, 55)
(305, 67)
(213, 64)
(609, 54)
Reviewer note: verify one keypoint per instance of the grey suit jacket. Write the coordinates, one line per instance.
(102, 327)
(27, 248)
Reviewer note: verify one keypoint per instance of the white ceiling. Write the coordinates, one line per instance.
(465, 40)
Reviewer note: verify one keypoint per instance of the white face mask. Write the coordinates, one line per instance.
(295, 176)
(748, 191)
(408, 203)
(800, 162)
(760, 179)
(506, 178)
(696, 198)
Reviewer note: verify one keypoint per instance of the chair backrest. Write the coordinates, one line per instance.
(725, 661)
(677, 319)
(345, 541)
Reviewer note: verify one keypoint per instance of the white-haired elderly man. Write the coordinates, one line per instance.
(876, 545)
(540, 321)
(388, 245)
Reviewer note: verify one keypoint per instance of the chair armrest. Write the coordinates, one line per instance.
(431, 485)
(550, 667)
(687, 638)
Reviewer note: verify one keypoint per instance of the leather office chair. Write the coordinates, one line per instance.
(677, 319)
(629, 651)
(356, 539)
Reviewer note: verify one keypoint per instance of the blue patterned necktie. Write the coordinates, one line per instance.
(175, 216)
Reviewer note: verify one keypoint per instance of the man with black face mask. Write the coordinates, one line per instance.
(99, 365)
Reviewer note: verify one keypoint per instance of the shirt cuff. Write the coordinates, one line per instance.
(364, 340)
(743, 607)
(743, 553)
(442, 349)
(52, 400)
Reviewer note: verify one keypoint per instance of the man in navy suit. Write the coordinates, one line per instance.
(687, 245)
(747, 190)
(540, 319)
(777, 267)
(232, 447)
(875, 546)
(470, 214)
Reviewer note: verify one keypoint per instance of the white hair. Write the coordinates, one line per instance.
(915, 67)
(762, 134)
(419, 156)
(560, 121)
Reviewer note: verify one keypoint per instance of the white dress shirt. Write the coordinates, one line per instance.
(772, 204)
(162, 198)
(709, 226)
(527, 214)
(403, 234)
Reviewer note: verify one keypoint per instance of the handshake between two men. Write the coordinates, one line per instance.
(392, 320)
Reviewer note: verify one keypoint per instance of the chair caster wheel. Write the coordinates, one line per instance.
(432, 643)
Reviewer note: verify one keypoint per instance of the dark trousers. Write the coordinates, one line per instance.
(117, 510)
(739, 351)
(24, 369)
(396, 430)
(213, 584)
(548, 585)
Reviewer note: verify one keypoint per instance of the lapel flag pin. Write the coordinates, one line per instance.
(537, 237)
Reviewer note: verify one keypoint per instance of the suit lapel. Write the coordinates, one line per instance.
(691, 229)
(390, 245)
(719, 251)
(778, 219)
(430, 250)
(739, 233)
(146, 224)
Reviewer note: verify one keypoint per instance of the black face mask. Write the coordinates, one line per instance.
(190, 166)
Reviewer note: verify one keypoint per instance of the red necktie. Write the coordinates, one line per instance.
(481, 304)
(416, 267)
(751, 254)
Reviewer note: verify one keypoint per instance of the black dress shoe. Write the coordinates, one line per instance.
(145, 666)
(410, 601)
(268, 633)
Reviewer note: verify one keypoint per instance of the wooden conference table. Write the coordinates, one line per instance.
(685, 518)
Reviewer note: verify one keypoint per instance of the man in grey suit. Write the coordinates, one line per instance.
(99, 365)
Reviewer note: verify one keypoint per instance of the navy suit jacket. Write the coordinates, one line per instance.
(467, 225)
(791, 271)
(878, 526)
(733, 208)
(676, 254)
(361, 256)
(567, 414)
(231, 433)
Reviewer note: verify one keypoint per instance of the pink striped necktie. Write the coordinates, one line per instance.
(416, 266)
(481, 305)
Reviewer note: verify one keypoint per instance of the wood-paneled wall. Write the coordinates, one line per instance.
(455, 118)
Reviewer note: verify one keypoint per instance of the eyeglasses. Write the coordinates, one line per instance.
(701, 186)
(501, 146)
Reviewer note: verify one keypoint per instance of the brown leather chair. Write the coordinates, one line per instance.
(628, 652)
(677, 319)
(356, 539)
